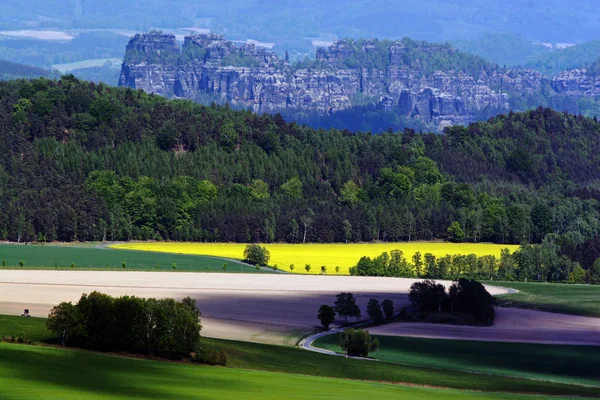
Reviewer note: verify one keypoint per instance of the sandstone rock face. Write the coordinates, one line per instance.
(252, 77)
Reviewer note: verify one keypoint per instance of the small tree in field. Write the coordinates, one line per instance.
(224, 267)
(326, 315)
(257, 267)
(21, 263)
(124, 264)
(291, 267)
(174, 266)
(307, 268)
(256, 254)
(374, 311)
(357, 342)
(323, 269)
(345, 306)
(275, 267)
(4, 263)
(337, 269)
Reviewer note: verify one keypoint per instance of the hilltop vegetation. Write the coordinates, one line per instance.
(85, 161)
(10, 70)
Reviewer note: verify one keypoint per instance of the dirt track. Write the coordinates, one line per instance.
(262, 308)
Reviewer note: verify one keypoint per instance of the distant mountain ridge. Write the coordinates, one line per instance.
(432, 83)
(11, 70)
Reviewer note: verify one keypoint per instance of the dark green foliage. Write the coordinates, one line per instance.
(428, 296)
(456, 233)
(210, 355)
(357, 342)
(345, 306)
(257, 255)
(471, 297)
(387, 264)
(326, 315)
(82, 162)
(465, 296)
(388, 309)
(164, 328)
(374, 311)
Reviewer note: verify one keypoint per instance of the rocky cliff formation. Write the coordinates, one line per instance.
(434, 83)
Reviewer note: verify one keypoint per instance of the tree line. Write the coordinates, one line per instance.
(85, 161)
(546, 262)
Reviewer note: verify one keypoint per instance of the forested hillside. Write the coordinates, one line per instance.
(88, 162)
(11, 70)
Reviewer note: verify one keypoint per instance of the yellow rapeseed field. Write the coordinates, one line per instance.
(330, 255)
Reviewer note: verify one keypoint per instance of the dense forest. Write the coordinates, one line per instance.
(90, 162)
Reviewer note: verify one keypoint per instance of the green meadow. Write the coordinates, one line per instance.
(90, 257)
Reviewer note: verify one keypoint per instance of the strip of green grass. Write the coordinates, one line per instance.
(294, 360)
(281, 359)
(569, 364)
(553, 297)
(33, 372)
(85, 258)
(34, 329)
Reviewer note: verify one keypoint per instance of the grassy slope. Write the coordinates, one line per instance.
(571, 364)
(566, 299)
(291, 360)
(86, 257)
(34, 372)
(33, 328)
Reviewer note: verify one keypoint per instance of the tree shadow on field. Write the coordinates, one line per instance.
(296, 310)
(107, 375)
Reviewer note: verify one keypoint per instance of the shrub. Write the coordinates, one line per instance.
(210, 356)
(307, 268)
(357, 342)
(256, 254)
(291, 267)
(124, 264)
(21, 263)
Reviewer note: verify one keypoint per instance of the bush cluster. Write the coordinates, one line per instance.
(163, 328)
(465, 296)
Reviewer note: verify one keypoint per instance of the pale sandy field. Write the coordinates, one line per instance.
(275, 308)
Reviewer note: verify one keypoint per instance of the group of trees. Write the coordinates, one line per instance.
(345, 306)
(90, 162)
(163, 328)
(551, 261)
(464, 296)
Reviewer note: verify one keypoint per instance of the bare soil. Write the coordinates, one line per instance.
(277, 308)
